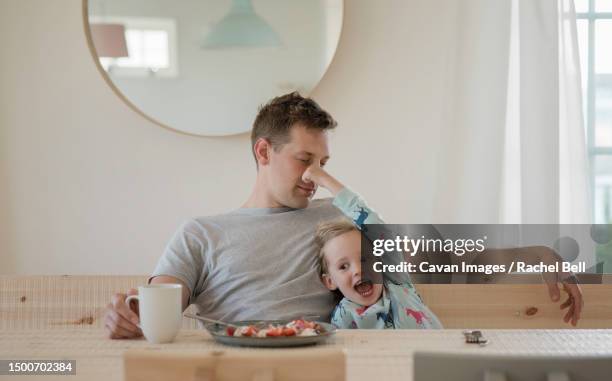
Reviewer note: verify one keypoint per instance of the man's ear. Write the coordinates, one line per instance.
(262, 149)
(329, 282)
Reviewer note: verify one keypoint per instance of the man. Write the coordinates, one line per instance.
(256, 262)
(259, 261)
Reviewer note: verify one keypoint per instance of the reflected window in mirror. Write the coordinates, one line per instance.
(150, 46)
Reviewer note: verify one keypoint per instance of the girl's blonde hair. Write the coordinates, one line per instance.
(326, 231)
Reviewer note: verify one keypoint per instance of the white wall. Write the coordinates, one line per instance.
(89, 186)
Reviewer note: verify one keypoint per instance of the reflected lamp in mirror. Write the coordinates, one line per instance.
(109, 40)
(241, 27)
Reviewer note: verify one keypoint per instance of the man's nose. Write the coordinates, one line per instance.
(315, 164)
(306, 178)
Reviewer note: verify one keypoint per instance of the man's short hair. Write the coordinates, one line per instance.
(275, 119)
(327, 231)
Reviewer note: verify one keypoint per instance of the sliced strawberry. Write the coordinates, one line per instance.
(288, 332)
(230, 330)
(274, 331)
(250, 331)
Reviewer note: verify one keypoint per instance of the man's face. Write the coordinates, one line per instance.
(306, 147)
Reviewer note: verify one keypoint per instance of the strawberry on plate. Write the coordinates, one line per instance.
(274, 331)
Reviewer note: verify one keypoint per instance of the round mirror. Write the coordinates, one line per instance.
(204, 66)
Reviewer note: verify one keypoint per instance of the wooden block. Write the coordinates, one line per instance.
(312, 364)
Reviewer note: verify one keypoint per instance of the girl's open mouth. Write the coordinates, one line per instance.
(364, 288)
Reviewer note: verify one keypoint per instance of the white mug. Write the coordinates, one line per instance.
(160, 307)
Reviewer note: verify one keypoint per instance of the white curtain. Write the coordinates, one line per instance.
(575, 194)
(513, 145)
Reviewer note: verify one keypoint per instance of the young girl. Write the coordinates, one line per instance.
(366, 304)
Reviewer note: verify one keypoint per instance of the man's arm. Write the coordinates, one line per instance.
(533, 255)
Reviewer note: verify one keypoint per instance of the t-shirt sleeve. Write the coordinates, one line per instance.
(183, 256)
(355, 208)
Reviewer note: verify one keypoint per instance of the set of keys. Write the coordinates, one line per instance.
(475, 337)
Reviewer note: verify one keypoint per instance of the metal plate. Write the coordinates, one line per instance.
(217, 331)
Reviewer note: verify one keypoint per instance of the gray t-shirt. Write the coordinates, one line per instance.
(252, 263)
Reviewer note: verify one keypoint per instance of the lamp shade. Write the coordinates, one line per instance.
(241, 27)
(109, 40)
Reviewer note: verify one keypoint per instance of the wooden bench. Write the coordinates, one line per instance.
(42, 302)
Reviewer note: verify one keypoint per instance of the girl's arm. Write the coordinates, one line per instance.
(346, 200)
(372, 225)
(355, 208)
(366, 219)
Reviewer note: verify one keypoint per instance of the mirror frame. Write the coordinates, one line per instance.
(131, 105)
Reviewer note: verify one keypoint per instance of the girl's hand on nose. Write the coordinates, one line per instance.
(314, 174)
(320, 177)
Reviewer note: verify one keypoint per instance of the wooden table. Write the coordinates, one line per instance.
(371, 355)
